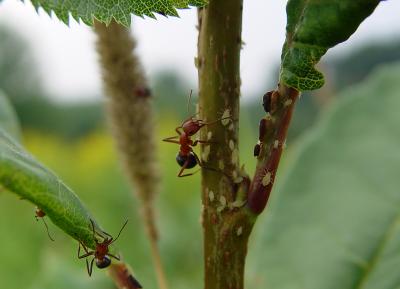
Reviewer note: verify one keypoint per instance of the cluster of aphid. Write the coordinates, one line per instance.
(101, 255)
(269, 105)
(187, 158)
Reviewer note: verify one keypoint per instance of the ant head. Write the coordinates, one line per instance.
(103, 263)
(191, 126)
(39, 213)
(108, 239)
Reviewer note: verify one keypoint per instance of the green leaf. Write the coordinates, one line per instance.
(8, 118)
(313, 27)
(22, 174)
(334, 223)
(107, 10)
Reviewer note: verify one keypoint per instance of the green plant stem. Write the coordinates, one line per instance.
(131, 116)
(226, 223)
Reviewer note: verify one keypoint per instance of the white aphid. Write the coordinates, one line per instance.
(235, 156)
(239, 231)
(220, 209)
(238, 180)
(276, 144)
(211, 196)
(234, 174)
(231, 145)
(225, 117)
(206, 153)
(222, 200)
(237, 204)
(209, 135)
(266, 180)
(288, 102)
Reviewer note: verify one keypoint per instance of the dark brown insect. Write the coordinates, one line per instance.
(262, 128)
(101, 254)
(267, 101)
(257, 149)
(186, 157)
(142, 92)
(39, 214)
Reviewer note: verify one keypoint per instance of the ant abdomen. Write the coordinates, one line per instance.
(190, 159)
(103, 263)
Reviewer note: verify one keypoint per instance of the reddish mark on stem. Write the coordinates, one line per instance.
(259, 193)
(123, 277)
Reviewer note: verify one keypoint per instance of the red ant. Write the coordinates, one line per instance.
(186, 157)
(40, 214)
(100, 254)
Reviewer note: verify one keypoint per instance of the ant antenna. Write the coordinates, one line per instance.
(93, 230)
(217, 120)
(47, 228)
(189, 100)
(123, 226)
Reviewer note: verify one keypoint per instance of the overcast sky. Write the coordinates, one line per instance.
(67, 62)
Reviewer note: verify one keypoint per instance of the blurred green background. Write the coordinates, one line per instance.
(73, 140)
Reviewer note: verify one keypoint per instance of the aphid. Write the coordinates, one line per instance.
(261, 135)
(225, 117)
(257, 149)
(267, 179)
(186, 157)
(142, 92)
(40, 214)
(101, 254)
(267, 101)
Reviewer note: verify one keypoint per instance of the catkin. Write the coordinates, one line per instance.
(130, 113)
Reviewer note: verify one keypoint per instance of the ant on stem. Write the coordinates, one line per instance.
(186, 157)
(40, 214)
(100, 254)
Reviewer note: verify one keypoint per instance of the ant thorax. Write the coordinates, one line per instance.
(101, 249)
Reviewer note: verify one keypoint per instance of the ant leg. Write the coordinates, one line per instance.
(89, 267)
(115, 257)
(190, 174)
(97, 233)
(199, 162)
(177, 129)
(183, 168)
(171, 139)
(86, 250)
(215, 121)
(47, 229)
(203, 141)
